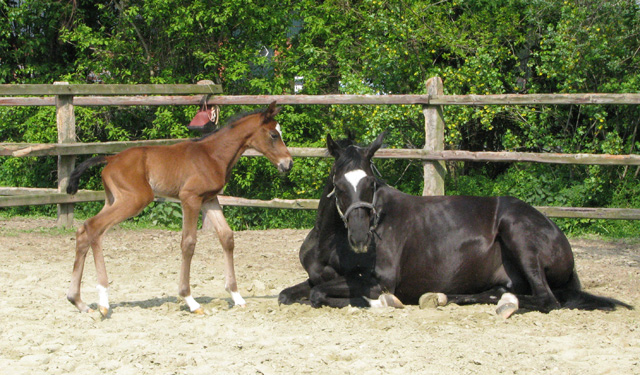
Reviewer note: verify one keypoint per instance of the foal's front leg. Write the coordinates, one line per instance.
(190, 212)
(213, 211)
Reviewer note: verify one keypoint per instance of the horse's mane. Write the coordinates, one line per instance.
(229, 123)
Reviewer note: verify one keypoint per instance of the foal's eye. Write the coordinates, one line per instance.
(275, 135)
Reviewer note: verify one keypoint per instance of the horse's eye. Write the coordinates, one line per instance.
(275, 135)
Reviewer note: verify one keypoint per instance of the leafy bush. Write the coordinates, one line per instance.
(351, 47)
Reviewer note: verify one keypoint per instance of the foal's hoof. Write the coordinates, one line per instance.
(507, 305)
(432, 300)
(198, 311)
(104, 311)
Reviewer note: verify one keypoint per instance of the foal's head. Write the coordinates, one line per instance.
(267, 139)
(355, 190)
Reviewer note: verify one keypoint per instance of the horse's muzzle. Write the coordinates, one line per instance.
(359, 248)
(359, 238)
(285, 165)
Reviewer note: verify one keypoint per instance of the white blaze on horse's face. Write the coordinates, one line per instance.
(282, 162)
(354, 177)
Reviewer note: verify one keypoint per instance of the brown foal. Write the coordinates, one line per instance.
(193, 171)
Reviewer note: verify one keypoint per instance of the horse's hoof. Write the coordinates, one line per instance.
(389, 300)
(432, 300)
(506, 310)
(104, 311)
(507, 305)
(198, 311)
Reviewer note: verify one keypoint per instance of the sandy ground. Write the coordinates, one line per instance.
(150, 330)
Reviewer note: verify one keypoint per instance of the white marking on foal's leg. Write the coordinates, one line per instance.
(237, 299)
(103, 300)
(193, 305)
(354, 177)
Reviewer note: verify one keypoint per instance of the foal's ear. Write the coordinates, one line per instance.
(371, 150)
(271, 111)
(334, 148)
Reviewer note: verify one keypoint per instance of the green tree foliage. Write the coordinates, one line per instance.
(355, 47)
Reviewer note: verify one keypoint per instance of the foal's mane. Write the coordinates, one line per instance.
(229, 123)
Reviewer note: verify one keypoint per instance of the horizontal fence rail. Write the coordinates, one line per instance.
(113, 89)
(476, 100)
(65, 96)
(13, 197)
(48, 149)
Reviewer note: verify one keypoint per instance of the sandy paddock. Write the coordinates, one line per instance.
(151, 331)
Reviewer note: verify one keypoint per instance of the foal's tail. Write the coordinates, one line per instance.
(72, 187)
(572, 297)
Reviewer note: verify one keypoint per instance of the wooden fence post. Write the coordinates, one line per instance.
(206, 221)
(434, 171)
(66, 121)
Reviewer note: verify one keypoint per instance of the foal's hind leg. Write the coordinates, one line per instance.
(90, 234)
(82, 247)
(213, 211)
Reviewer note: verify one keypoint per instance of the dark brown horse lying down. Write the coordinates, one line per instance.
(193, 171)
(373, 245)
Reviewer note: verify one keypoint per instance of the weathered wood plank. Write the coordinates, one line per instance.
(434, 172)
(13, 197)
(536, 99)
(66, 122)
(27, 101)
(50, 196)
(175, 97)
(591, 213)
(22, 149)
(109, 89)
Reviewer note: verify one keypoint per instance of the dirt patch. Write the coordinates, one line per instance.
(151, 332)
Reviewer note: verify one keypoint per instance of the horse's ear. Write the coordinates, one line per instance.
(334, 148)
(271, 111)
(371, 150)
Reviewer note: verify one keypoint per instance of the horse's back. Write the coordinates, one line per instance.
(439, 243)
(462, 244)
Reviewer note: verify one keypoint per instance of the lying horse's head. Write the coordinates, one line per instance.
(354, 189)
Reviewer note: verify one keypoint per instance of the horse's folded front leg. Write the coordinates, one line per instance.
(295, 294)
(345, 291)
(333, 293)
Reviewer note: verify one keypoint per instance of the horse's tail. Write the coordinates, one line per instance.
(572, 297)
(72, 187)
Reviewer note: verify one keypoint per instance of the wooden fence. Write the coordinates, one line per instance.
(433, 155)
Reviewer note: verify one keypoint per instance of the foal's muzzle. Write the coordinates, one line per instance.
(285, 165)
